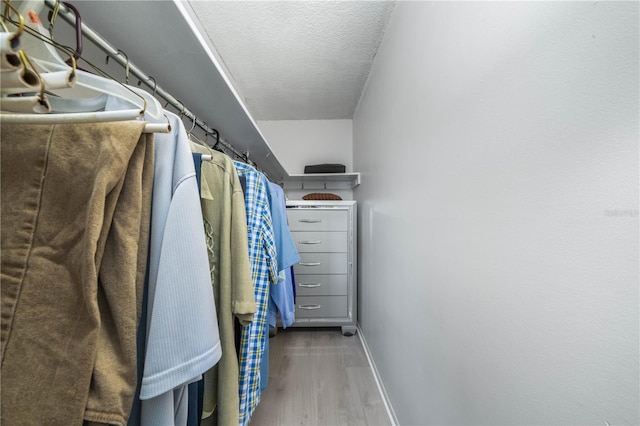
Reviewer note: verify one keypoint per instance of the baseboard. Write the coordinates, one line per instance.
(383, 392)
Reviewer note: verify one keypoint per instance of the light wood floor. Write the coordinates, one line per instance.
(319, 377)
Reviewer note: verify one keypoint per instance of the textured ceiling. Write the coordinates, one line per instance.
(296, 60)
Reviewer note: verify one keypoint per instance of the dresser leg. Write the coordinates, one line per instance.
(349, 330)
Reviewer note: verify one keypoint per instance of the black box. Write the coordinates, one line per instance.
(325, 168)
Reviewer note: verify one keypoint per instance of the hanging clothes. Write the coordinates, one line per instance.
(182, 331)
(75, 212)
(196, 389)
(225, 227)
(280, 295)
(281, 299)
(264, 269)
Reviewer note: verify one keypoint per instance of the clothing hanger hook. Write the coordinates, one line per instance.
(7, 15)
(180, 110)
(126, 66)
(77, 53)
(168, 121)
(193, 124)
(52, 17)
(27, 64)
(215, 146)
(206, 134)
(155, 86)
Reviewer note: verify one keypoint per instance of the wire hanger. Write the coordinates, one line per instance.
(203, 157)
(153, 108)
(21, 76)
(29, 104)
(19, 83)
(126, 66)
(193, 124)
(46, 59)
(10, 41)
(77, 53)
(155, 86)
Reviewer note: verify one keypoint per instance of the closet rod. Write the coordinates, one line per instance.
(116, 54)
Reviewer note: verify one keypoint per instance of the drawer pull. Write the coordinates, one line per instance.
(310, 263)
(310, 220)
(309, 307)
(310, 242)
(309, 285)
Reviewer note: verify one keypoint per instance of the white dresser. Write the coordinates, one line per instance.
(326, 284)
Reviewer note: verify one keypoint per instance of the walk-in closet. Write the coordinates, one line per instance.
(362, 212)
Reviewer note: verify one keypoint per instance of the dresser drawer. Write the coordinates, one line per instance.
(321, 306)
(309, 242)
(321, 285)
(322, 263)
(317, 220)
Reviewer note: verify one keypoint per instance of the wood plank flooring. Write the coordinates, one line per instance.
(319, 377)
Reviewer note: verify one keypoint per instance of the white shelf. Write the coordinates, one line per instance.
(164, 40)
(350, 179)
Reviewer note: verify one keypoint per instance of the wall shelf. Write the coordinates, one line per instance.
(329, 180)
(169, 45)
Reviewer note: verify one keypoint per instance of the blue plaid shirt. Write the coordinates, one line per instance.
(264, 269)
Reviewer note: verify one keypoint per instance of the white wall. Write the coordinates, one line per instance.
(301, 142)
(498, 144)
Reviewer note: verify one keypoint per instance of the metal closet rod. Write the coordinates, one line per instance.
(122, 59)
